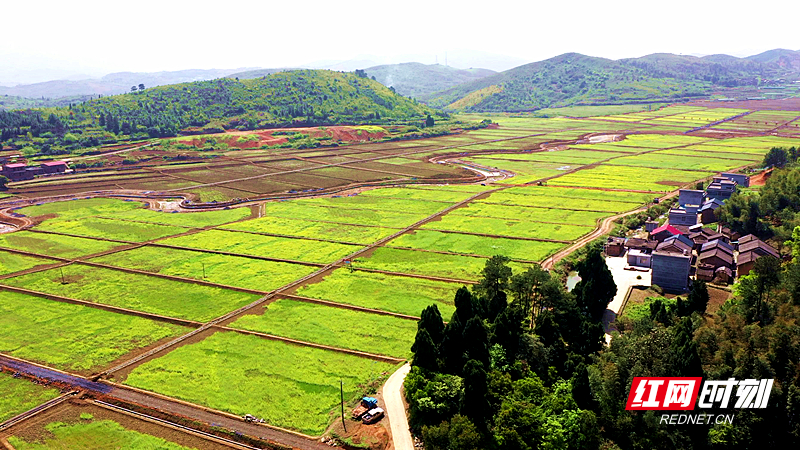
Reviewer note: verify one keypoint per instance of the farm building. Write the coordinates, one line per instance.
(663, 232)
(615, 246)
(717, 243)
(730, 234)
(723, 274)
(54, 167)
(677, 243)
(650, 225)
(640, 244)
(16, 172)
(683, 216)
(704, 272)
(721, 188)
(639, 258)
(740, 178)
(671, 270)
(690, 197)
(716, 257)
(707, 210)
(759, 247)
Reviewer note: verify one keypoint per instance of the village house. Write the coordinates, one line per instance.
(663, 232)
(686, 215)
(615, 246)
(721, 188)
(690, 197)
(707, 214)
(740, 178)
(671, 269)
(749, 251)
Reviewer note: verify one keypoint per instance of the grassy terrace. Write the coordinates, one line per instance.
(337, 327)
(72, 337)
(222, 269)
(251, 375)
(384, 292)
(88, 433)
(425, 263)
(54, 245)
(264, 246)
(13, 262)
(477, 245)
(18, 395)
(133, 291)
(312, 229)
(510, 228)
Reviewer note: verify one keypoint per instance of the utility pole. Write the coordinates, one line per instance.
(204, 270)
(63, 281)
(341, 393)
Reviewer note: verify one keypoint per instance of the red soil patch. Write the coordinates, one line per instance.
(270, 138)
(761, 178)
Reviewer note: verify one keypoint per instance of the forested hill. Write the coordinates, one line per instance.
(306, 97)
(573, 78)
(416, 80)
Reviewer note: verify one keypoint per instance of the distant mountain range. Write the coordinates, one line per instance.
(566, 79)
(417, 80)
(573, 78)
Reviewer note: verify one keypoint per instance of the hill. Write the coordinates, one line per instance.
(573, 78)
(111, 84)
(303, 97)
(416, 80)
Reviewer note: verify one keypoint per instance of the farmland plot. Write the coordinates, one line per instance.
(477, 245)
(14, 262)
(53, 244)
(622, 177)
(312, 229)
(265, 378)
(18, 395)
(510, 228)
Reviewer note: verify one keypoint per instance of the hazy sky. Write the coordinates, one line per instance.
(97, 37)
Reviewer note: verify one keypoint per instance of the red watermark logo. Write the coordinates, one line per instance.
(663, 393)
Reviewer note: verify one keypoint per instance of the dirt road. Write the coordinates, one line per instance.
(396, 409)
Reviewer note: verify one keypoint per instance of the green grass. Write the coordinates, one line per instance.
(397, 294)
(196, 219)
(565, 216)
(53, 244)
(573, 156)
(295, 210)
(288, 385)
(14, 262)
(265, 246)
(18, 395)
(337, 327)
(134, 291)
(94, 435)
(526, 171)
(418, 194)
(380, 203)
(586, 194)
(222, 269)
(543, 201)
(111, 229)
(72, 337)
(510, 228)
(75, 209)
(622, 177)
(664, 161)
(426, 263)
(477, 245)
(637, 311)
(312, 229)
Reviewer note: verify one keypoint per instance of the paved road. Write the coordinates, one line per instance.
(396, 410)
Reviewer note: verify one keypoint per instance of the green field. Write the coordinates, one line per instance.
(396, 294)
(312, 229)
(18, 395)
(477, 245)
(623, 177)
(426, 263)
(134, 291)
(78, 209)
(578, 193)
(264, 246)
(53, 244)
(510, 228)
(381, 203)
(565, 216)
(111, 229)
(256, 274)
(73, 337)
(14, 262)
(186, 219)
(337, 327)
(379, 218)
(262, 377)
(664, 161)
(419, 194)
(94, 435)
(545, 201)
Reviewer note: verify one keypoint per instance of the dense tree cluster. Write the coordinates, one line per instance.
(509, 369)
(521, 363)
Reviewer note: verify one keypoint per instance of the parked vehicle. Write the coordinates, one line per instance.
(367, 403)
(373, 416)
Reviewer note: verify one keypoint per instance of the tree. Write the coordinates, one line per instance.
(3, 181)
(526, 290)
(429, 121)
(431, 320)
(597, 288)
(495, 276)
(133, 88)
(776, 157)
(686, 362)
(698, 297)
(426, 353)
(476, 404)
(141, 85)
